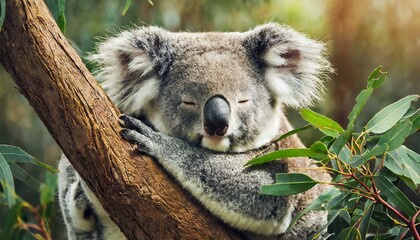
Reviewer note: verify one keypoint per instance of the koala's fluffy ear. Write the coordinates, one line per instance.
(129, 65)
(291, 62)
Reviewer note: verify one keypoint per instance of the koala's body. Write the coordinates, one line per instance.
(203, 105)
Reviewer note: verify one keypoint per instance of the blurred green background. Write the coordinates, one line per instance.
(360, 36)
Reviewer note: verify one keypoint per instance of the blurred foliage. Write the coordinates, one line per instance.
(359, 35)
(20, 218)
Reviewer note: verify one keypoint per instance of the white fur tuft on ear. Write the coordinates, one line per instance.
(295, 66)
(126, 71)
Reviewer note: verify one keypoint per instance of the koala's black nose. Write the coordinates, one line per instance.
(216, 116)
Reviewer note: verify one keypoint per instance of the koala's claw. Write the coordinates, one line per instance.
(130, 122)
(128, 135)
(144, 144)
(136, 125)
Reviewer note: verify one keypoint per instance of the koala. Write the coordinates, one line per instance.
(202, 105)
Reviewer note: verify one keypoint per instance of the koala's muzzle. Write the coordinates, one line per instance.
(216, 116)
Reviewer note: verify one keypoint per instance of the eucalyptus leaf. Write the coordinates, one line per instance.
(21, 174)
(340, 142)
(332, 216)
(376, 78)
(345, 154)
(9, 222)
(381, 216)
(411, 114)
(361, 100)
(350, 233)
(323, 123)
(61, 16)
(415, 156)
(327, 140)
(341, 221)
(294, 131)
(319, 146)
(394, 195)
(289, 184)
(286, 153)
(390, 115)
(358, 160)
(365, 223)
(7, 182)
(319, 204)
(396, 136)
(126, 6)
(48, 188)
(400, 163)
(415, 120)
(16, 154)
(3, 199)
(339, 201)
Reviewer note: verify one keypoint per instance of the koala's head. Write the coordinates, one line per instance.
(221, 91)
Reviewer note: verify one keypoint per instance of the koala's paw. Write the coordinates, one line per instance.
(135, 131)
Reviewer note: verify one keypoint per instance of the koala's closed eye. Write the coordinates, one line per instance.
(188, 101)
(241, 101)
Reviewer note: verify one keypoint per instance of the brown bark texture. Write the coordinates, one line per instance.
(137, 194)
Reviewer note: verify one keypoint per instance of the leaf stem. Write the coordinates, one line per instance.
(411, 223)
(361, 183)
(354, 190)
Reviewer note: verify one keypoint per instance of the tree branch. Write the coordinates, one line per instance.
(137, 194)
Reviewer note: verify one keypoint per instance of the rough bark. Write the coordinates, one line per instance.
(139, 197)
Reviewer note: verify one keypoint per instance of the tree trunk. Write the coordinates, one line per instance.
(137, 194)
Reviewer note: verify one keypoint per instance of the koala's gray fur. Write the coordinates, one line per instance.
(168, 81)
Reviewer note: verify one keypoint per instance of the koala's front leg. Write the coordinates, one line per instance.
(218, 180)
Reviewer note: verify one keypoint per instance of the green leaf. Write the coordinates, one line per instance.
(350, 233)
(332, 216)
(48, 188)
(376, 78)
(399, 162)
(126, 7)
(294, 132)
(2, 12)
(342, 220)
(286, 153)
(319, 146)
(289, 184)
(358, 160)
(345, 154)
(9, 222)
(361, 100)
(3, 199)
(340, 142)
(394, 195)
(390, 115)
(415, 156)
(364, 224)
(318, 204)
(16, 154)
(325, 124)
(411, 114)
(339, 201)
(21, 174)
(6, 180)
(61, 16)
(327, 140)
(415, 120)
(380, 215)
(396, 136)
